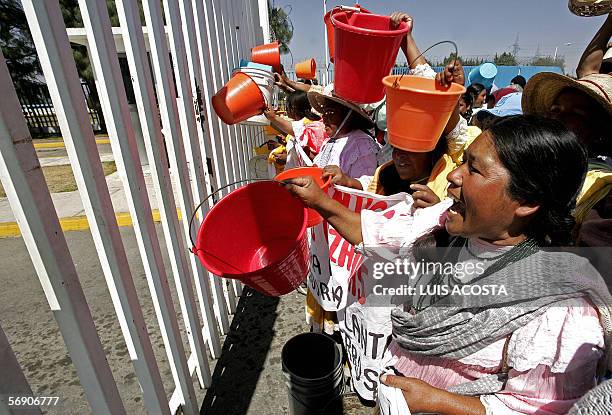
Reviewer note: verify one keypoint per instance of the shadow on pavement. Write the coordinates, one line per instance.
(243, 356)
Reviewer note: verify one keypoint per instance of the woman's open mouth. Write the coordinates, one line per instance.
(457, 208)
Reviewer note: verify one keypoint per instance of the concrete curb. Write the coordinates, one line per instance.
(77, 223)
(60, 144)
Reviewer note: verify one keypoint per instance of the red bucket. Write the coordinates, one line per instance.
(358, 35)
(239, 99)
(268, 54)
(330, 28)
(317, 174)
(257, 234)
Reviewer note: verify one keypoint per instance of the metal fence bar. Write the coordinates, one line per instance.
(12, 382)
(234, 62)
(208, 88)
(104, 58)
(192, 135)
(214, 32)
(224, 55)
(142, 80)
(166, 94)
(199, 150)
(216, 36)
(33, 208)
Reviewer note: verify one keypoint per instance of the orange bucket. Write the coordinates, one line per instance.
(268, 54)
(306, 69)
(418, 110)
(317, 174)
(238, 100)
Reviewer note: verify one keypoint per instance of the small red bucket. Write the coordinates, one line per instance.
(240, 99)
(257, 235)
(358, 35)
(268, 54)
(316, 173)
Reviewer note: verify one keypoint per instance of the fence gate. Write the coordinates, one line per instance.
(194, 45)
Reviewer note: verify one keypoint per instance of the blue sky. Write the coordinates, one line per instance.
(480, 27)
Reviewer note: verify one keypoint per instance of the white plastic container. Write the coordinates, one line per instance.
(265, 81)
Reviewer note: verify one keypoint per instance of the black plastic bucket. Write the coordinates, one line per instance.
(312, 366)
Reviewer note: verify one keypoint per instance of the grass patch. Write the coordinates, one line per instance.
(60, 178)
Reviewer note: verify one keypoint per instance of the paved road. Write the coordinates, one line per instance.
(247, 378)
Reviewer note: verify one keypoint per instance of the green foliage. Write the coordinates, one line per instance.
(72, 18)
(548, 61)
(505, 59)
(464, 61)
(281, 28)
(18, 47)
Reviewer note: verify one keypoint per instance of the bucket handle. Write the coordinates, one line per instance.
(193, 249)
(340, 7)
(397, 81)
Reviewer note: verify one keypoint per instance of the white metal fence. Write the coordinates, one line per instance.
(191, 56)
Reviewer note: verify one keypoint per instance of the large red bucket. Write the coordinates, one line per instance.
(330, 28)
(257, 234)
(317, 174)
(360, 35)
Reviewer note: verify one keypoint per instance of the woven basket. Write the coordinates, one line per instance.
(590, 7)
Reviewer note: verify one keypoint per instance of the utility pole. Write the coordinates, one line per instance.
(515, 47)
(557, 49)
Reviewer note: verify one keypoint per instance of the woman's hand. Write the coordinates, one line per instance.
(337, 175)
(423, 196)
(399, 17)
(269, 113)
(422, 397)
(282, 81)
(307, 190)
(280, 158)
(453, 72)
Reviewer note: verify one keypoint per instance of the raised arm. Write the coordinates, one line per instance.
(344, 220)
(279, 123)
(283, 82)
(409, 46)
(590, 61)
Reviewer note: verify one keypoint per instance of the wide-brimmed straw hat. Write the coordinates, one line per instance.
(317, 101)
(543, 88)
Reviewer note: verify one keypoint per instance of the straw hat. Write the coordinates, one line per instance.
(543, 88)
(317, 101)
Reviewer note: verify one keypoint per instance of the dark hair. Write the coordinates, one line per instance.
(468, 99)
(519, 80)
(469, 102)
(475, 89)
(484, 119)
(298, 103)
(547, 166)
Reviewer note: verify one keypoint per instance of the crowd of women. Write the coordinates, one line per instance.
(527, 172)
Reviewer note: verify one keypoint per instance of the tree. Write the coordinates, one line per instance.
(548, 61)
(18, 47)
(464, 61)
(281, 28)
(505, 59)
